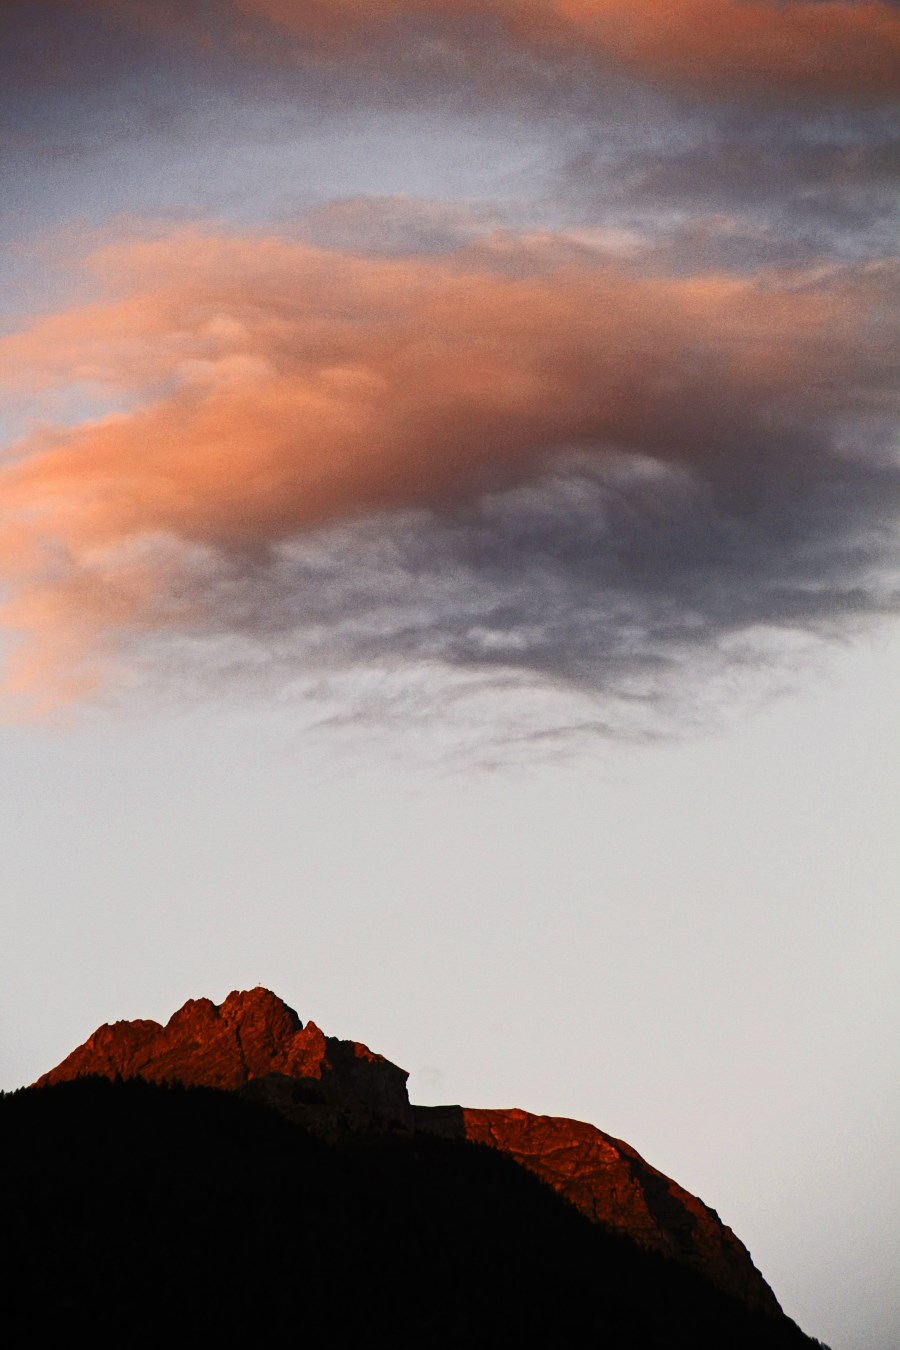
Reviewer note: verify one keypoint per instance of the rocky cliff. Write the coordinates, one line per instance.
(612, 1184)
(251, 1038)
(255, 1044)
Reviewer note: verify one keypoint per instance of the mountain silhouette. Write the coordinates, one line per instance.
(257, 1178)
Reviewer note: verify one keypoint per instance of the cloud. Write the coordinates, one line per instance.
(523, 455)
(845, 49)
(399, 225)
(803, 46)
(735, 45)
(750, 195)
(608, 596)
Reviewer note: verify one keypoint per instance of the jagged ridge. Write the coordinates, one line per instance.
(255, 1044)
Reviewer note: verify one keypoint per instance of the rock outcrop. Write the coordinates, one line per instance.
(613, 1185)
(255, 1044)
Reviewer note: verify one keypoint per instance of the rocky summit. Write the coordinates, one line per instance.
(254, 1044)
(253, 1038)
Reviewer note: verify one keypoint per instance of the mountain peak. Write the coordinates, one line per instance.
(254, 1043)
(252, 1034)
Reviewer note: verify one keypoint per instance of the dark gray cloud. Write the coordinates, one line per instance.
(616, 581)
(739, 191)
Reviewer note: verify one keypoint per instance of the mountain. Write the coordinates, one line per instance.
(610, 1183)
(549, 1197)
(253, 1035)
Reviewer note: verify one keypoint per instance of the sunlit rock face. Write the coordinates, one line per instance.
(250, 1039)
(255, 1044)
(612, 1184)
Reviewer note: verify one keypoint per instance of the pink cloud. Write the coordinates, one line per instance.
(803, 45)
(848, 48)
(832, 47)
(275, 386)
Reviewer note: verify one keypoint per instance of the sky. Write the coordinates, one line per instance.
(448, 565)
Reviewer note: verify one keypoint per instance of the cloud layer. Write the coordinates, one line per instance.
(805, 46)
(567, 434)
(845, 49)
(615, 403)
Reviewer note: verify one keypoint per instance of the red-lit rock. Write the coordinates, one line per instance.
(252, 1036)
(254, 1043)
(612, 1184)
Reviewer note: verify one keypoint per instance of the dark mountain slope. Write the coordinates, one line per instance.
(139, 1214)
(255, 1044)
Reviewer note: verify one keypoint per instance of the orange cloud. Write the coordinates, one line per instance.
(833, 47)
(844, 48)
(847, 47)
(274, 386)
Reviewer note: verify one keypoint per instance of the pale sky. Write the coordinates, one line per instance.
(449, 568)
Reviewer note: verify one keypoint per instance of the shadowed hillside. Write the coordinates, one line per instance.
(253, 1043)
(140, 1213)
